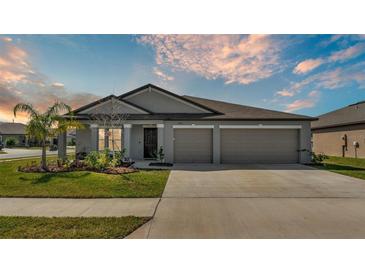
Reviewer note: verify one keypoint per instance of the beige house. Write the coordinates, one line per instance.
(191, 129)
(341, 132)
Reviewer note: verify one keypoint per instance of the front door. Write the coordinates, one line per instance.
(150, 143)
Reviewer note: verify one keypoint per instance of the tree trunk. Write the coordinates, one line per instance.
(44, 157)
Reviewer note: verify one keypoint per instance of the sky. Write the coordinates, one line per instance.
(304, 74)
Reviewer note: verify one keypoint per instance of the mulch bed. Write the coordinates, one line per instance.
(160, 164)
(55, 168)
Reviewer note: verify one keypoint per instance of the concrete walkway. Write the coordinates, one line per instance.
(282, 201)
(116, 207)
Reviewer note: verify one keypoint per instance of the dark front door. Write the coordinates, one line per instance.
(150, 142)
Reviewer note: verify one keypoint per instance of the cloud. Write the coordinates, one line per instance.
(348, 53)
(6, 39)
(285, 93)
(234, 58)
(333, 79)
(58, 85)
(21, 83)
(308, 102)
(337, 56)
(308, 65)
(162, 75)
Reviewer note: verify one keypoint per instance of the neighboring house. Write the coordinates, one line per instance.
(13, 130)
(194, 130)
(341, 132)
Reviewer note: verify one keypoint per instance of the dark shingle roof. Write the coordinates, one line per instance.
(240, 112)
(12, 128)
(218, 110)
(350, 115)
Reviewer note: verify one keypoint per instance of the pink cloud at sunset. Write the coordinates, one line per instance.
(308, 102)
(308, 65)
(20, 82)
(337, 56)
(234, 58)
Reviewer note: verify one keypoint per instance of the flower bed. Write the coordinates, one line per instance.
(75, 166)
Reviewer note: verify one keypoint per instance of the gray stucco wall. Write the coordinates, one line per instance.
(112, 107)
(136, 151)
(83, 140)
(159, 103)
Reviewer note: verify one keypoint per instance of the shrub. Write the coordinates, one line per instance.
(10, 142)
(92, 159)
(318, 158)
(72, 142)
(103, 160)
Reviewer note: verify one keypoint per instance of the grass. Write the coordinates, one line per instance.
(79, 184)
(353, 167)
(2, 152)
(68, 227)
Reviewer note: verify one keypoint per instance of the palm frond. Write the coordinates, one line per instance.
(57, 108)
(28, 108)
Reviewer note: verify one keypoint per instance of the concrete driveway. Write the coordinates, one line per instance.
(258, 201)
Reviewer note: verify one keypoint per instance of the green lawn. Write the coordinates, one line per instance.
(79, 184)
(68, 227)
(353, 167)
(2, 152)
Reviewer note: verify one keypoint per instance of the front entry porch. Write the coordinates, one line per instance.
(140, 141)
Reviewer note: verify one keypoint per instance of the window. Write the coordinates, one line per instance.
(101, 145)
(110, 138)
(115, 139)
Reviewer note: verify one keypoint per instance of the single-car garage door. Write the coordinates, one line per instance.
(193, 145)
(259, 146)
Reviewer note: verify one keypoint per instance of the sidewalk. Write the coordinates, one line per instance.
(57, 207)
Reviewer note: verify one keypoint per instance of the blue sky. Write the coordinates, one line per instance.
(306, 74)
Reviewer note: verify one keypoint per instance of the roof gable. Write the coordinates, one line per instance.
(111, 104)
(159, 100)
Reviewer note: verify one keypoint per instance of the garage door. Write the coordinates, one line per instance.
(193, 145)
(259, 146)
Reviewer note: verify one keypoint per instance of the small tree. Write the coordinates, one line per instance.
(10, 142)
(42, 126)
(112, 118)
(161, 154)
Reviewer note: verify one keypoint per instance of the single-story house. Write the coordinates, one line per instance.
(13, 130)
(191, 129)
(341, 132)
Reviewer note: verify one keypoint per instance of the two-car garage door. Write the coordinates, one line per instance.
(237, 146)
(259, 146)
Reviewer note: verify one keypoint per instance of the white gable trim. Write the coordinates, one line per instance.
(120, 102)
(149, 89)
(260, 126)
(192, 126)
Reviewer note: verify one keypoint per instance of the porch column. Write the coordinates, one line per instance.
(216, 145)
(62, 146)
(160, 137)
(127, 139)
(94, 136)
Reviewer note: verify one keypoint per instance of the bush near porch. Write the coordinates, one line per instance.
(79, 184)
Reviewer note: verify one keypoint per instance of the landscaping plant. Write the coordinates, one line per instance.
(10, 142)
(318, 158)
(42, 126)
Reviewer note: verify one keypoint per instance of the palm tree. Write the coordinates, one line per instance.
(41, 126)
